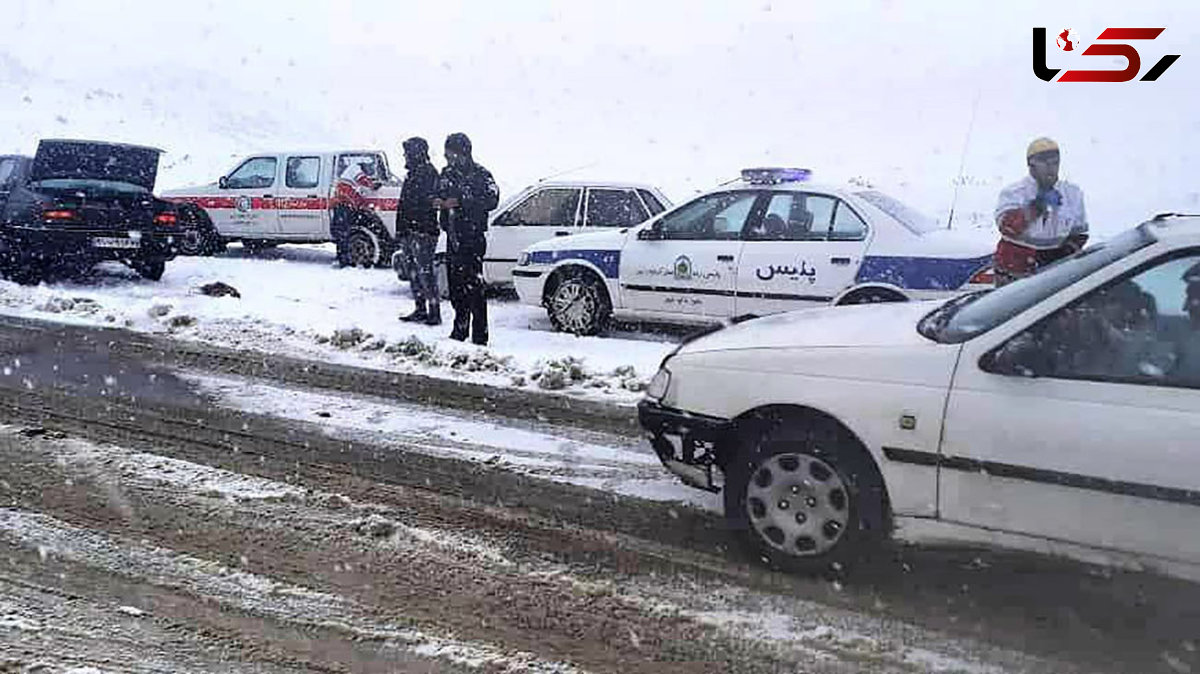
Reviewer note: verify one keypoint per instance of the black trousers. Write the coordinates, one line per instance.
(465, 276)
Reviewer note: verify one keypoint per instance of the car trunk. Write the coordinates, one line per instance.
(107, 187)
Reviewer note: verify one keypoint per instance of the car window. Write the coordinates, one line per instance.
(346, 159)
(303, 172)
(554, 207)
(255, 173)
(713, 216)
(652, 202)
(614, 208)
(794, 216)
(847, 226)
(8, 170)
(914, 220)
(1141, 329)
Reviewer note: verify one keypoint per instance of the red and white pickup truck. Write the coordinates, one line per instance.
(287, 197)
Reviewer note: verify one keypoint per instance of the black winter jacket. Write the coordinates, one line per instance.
(416, 212)
(477, 195)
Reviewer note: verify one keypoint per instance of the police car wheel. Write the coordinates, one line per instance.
(364, 248)
(579, 304)
(872, 297)
(803, 495)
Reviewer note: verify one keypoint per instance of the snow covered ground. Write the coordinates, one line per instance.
(294, 302)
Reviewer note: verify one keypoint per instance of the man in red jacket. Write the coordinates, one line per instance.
(1041, 218)
(349, 202)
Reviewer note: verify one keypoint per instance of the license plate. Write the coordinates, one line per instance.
(114, 242)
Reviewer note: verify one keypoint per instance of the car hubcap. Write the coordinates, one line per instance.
(798, 504)
(362, 250)
(574, 304)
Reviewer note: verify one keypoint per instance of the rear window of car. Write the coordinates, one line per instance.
(652, 202)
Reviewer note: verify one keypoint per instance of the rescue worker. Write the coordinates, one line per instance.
(466, 193)
(417, 224)
(1041, 218)
(349, 203)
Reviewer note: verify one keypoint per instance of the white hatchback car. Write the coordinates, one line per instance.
(1062, 408)
(549, 209)
(770, 242)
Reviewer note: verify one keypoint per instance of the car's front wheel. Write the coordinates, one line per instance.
(579, 303)
(803, 494)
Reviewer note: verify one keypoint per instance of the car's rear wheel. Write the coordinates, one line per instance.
(579, 303)
(149, 268)
(804, 495)
(26, 273)
(364, 247)
(873, 296)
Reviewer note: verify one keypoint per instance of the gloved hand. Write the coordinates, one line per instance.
(1044, 200)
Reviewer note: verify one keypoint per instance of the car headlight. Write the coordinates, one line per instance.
(523, 260)
(657, 388)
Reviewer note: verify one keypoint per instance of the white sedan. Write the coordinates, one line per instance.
(1061, 409)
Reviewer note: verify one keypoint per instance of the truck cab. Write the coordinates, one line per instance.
(287, 197)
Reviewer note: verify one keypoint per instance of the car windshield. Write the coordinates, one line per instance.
(914, 220)
(965, 317)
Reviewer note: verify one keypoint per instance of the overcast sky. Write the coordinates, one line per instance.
(680, 94)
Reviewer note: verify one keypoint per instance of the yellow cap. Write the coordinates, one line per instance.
(1041, 145)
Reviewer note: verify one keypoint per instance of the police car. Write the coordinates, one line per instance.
(770, 242)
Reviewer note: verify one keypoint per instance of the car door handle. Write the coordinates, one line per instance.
(724, 258)
(313, 196)
(268, 196)
(840, 260)
(562, 234)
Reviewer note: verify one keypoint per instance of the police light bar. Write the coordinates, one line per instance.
(773, 176)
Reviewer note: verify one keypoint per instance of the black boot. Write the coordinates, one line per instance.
(479, 318)
(434, 317)
(418, 315)
(462, 326)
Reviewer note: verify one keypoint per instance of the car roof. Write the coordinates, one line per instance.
(622, 184)
(798, 186)
(1168, 226)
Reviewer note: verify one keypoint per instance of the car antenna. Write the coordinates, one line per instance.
(962, 160)
(570, 170)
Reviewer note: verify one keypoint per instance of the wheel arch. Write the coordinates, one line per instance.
(555, 276)
(847, 295)
(798, 414)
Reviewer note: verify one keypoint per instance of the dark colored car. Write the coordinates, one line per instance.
(76, 203)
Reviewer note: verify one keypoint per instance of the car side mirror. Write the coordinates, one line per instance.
(652, 233)
(223, 182)
(1021, 356)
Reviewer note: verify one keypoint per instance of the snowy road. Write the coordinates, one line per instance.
(193, 522)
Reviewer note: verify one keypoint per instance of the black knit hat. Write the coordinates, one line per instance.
(416, 147)
(458, 142)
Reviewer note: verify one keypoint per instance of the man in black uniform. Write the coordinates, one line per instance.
(416, 224)
(466, 193)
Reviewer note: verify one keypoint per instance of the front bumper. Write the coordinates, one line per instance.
(688, 445)
(529, 281)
